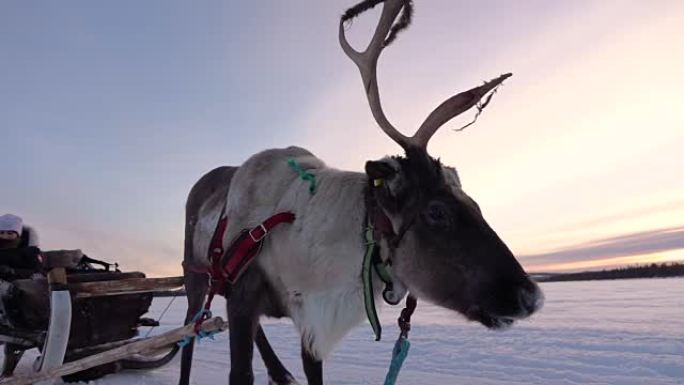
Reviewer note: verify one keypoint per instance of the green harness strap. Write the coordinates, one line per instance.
(366, 275)
(371, 262)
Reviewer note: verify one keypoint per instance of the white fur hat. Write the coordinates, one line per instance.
(9, 222)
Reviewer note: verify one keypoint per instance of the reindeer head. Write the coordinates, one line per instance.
(443, 250)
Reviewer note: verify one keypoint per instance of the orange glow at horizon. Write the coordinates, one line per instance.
(657, 257)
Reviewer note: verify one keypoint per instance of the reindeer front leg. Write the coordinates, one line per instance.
(243, 328)
(313, 368)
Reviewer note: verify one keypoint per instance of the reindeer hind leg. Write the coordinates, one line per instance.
(277, 373)
(313, 368)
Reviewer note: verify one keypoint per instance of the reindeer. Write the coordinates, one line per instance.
(434, 234)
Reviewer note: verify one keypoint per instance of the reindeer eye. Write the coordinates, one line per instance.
(437, 214)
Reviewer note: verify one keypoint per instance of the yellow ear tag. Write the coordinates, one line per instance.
(378, 182)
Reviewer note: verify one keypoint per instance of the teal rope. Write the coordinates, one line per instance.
(210, 335)
(306, 176)
(399, 353)
(184, 342)
(201, 334)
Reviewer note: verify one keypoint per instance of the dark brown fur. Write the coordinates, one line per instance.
(463, 264)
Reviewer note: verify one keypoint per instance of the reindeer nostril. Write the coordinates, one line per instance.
(531, 300)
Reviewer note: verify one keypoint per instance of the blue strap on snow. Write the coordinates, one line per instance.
(184, 342)
(210, 335)
(399, 353)
(201, 314)
(200, 334)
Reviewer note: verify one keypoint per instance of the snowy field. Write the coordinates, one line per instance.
(628, 332)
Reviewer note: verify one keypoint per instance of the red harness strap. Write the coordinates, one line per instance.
(243, 250)
(216, 247)
(229, 265)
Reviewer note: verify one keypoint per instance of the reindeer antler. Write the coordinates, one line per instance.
(367, 62)
(453, 107)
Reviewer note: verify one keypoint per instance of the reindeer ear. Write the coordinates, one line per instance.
(385, 175)
(380, 170)
(387, 181)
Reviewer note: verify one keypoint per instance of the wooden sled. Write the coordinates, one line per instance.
(88, 320)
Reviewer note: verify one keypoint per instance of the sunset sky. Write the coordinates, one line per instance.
(110, 111)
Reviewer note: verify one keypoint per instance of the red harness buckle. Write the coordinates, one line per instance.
(258, 238)
(246, 246)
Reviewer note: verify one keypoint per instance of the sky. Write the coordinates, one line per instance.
(110, 111)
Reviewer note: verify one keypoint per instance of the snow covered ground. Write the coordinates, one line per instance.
(628, 332)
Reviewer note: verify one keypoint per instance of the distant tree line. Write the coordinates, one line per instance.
(652, 270)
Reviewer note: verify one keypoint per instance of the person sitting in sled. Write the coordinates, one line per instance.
(14, 233)
(19, 252)
(19, 259)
